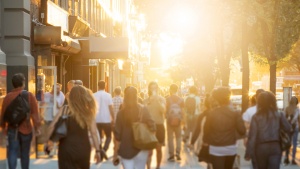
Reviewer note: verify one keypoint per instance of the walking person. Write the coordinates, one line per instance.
(222, 127)
(156, 105)
(264, 139)
(192, 111)
(117, 100)
(203, 154)
(131, 157)
(49, 111)
(292, 115)
(75, 148)
(70, 85)
(174, 115)
(247, 116)
(20, 137)
(104, 115)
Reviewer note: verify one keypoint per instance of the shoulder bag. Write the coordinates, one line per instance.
(60, 129)
(285, 137)
(144, 139)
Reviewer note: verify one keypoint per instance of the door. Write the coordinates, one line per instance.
(46, 78)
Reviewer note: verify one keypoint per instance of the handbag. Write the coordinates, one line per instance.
(144, 139)
(60, 129)
(285, 137)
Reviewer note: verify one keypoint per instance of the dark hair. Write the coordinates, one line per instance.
(151, 84)
(266, 102)
(193, 90)
(117, 91)
(253, 100)
(130, 105)
(259, 91)
(294, 99)
(101, 84)
(18, 80)
(173, 88)
(222, 95)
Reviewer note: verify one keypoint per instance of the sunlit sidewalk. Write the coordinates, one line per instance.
(189, 161)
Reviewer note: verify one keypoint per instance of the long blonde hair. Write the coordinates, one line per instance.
(82, 105)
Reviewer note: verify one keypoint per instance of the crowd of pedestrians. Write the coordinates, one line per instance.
(94, 120)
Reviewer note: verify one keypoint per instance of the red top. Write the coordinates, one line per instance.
(25, 127)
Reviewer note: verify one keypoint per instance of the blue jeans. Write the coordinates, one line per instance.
(294, 144)
(19, 143)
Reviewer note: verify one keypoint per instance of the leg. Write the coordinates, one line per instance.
(218, 162)
(12, 149)
(178, 140)
(160, 134)
(25, 141)
(100, 128)
(295, 138)
(170, 140)
(140, 160)
(229, 160)
(107, 131)
(149, 159)
(274, 162)
(158, 155)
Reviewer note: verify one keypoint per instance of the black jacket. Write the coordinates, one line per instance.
(264, 129)
(223, 127)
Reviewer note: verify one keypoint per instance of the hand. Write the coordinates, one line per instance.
(247, 158)
(97, 157)
(37, 132)
(191, 147)
(116, 160)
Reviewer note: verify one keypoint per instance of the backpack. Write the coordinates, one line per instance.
(190, 105)
(18, 110)
(174, 114)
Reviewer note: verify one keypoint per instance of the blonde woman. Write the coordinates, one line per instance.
(75, 149)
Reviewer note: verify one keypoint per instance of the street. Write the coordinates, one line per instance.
(189, 161)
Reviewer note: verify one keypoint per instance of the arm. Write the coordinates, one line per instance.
(197, 128)
(4, 106)
(60, 100)
(34, 113)
(147, 118)
(117, 135)
(284, 124)
(111, 110)
(241, 129)
(94, 134)
(251, 139)
(52, 125)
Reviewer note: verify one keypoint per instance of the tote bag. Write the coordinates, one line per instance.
(60, 130)
(144, 139)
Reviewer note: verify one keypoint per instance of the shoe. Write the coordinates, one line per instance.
(286, 161)
(178, 157)
(171, 159)
(294, 162)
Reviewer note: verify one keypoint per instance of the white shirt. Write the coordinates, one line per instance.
(249, 113)
(223, 150)
(49, 101)
(103, 100)
(197, 98)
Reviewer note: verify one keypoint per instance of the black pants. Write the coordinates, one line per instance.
(268, 155)
(106, 127)
(222, 162)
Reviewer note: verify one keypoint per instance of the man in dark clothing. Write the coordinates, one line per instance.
(175, 115)
(19, 139)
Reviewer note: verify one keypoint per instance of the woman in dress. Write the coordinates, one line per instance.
(75, 149)
(264, 139)
(131, 111)
(292, 115)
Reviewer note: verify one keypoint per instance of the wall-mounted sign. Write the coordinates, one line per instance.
(56, 16)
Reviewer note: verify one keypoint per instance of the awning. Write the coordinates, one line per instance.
(104, 48)
(71, 46)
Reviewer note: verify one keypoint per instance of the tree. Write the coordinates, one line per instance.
(277, 29)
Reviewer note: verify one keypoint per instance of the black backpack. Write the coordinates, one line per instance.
(190, 105)
(18, 110)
